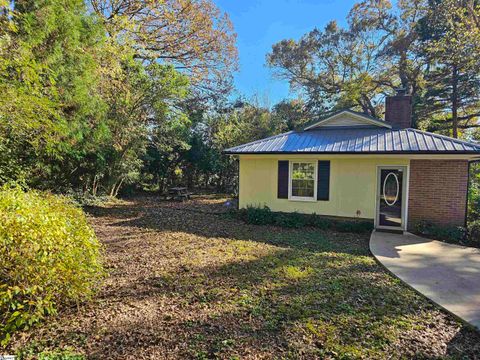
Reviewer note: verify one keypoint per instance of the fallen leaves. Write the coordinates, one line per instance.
(188, 282)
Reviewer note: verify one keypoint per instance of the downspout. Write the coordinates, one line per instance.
(238, 182)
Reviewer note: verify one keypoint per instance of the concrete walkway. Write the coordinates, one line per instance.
(447, 274)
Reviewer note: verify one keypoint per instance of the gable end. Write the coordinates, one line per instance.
(348, 118)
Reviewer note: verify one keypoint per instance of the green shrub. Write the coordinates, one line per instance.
(258, 215)
(474, 232)
(49, 256)
(353, 226)
(33, 351)
(264, 216)
(86, 199)
(319, 222)
(292, 220)
(447, 233)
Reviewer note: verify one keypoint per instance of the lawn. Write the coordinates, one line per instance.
(187, 281)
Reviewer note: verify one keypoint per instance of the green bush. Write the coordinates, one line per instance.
(49, 256)
(447, 233)
(264, 216)
(259, 215)
(319, 222)
(357, 226)
(293, 220)
(86, 199)
(33, 350)
(474, 232)
(473, 213)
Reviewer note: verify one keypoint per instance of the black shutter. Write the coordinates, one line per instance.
(283, 179)
(323, 180)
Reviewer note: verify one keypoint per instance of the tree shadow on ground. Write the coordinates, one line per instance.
(242, 306)
(211, 221)
(187, 282)
(354, 291)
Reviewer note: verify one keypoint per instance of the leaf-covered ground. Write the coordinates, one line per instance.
(187, 282)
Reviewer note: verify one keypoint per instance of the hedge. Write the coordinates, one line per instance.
(264, 216)
(49, 256)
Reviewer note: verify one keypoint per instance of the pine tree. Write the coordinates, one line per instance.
(450, 45)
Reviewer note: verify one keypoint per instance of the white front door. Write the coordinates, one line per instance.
(391, 197)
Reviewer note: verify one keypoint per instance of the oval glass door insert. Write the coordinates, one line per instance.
(391, 189)
(390, 197)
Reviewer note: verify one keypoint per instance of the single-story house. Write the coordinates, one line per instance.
(356, 166)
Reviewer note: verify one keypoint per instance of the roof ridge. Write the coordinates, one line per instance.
(443, 137)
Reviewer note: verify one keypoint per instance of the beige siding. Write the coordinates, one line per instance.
(352, 185)
(344, 121)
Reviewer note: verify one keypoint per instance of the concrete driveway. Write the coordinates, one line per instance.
(447, 274)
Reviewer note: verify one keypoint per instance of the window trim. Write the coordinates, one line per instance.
(315, 180)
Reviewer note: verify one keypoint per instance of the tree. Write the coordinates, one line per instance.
(333, 68)
(48, 81)
(239, 123)
(396, 29)
(81, 107)
(167, 145)
(450, 44)
(193, 35)
(353, 67)
(290, 115)
(193, 156)
(141, 109)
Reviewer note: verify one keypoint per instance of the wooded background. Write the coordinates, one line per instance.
(101, 96)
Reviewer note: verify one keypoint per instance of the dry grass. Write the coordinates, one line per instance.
(187, 282)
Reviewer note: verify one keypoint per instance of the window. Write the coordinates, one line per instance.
(303, 180)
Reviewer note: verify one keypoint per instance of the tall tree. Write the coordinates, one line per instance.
(352, 67)
(335, 68)
(193, 35)
(48, 81)
(141, 107)
(80, 107)
(290, 115)
(450, 44)
(396, 27)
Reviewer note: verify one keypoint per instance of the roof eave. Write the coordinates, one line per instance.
(477, 153)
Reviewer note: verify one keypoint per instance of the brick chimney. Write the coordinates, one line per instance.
(398, 110)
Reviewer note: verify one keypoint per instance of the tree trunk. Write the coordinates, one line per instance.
(454, 101)
(402, 72)
(95, 185)
(367, 106)
(118, 187)
(112, 190)
(161, 184)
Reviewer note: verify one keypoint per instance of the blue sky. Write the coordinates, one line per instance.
(261, 23)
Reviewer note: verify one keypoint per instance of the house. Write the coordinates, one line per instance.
(355, 166)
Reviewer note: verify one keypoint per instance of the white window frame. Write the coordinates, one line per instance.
(290, 169)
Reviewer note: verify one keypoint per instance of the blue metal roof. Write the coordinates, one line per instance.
(357, 140)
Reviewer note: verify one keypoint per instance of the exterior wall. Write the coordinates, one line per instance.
(438, 191)
(353, 182)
